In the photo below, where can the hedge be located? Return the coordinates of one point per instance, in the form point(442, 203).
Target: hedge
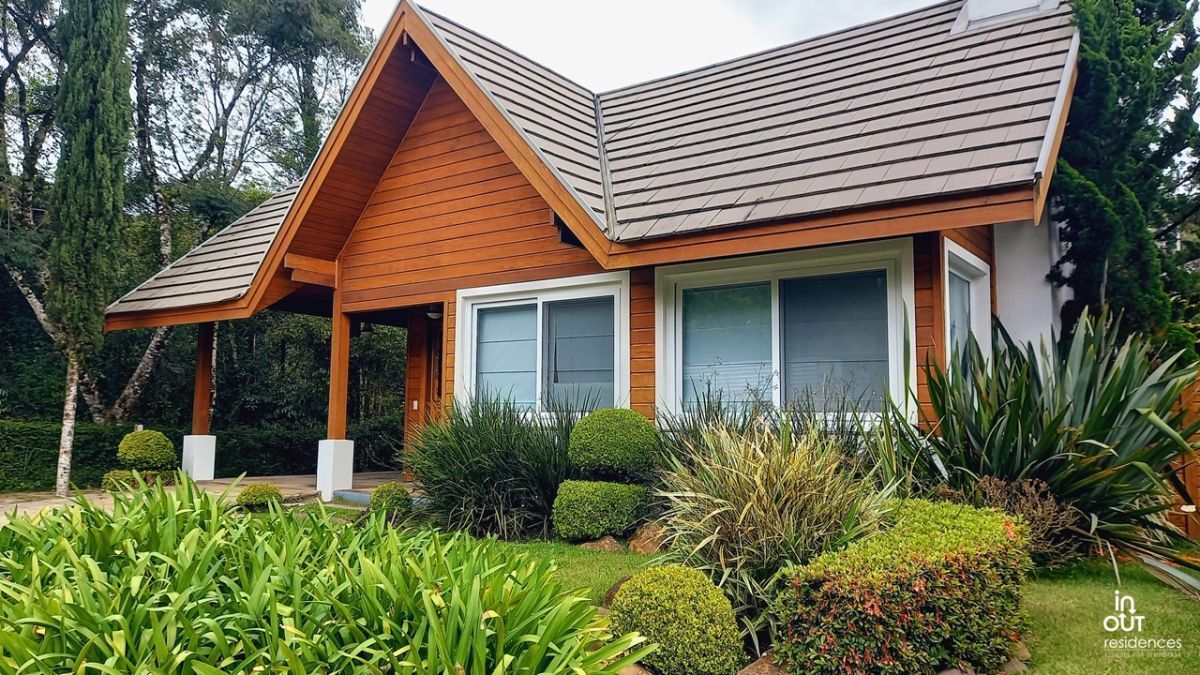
point(591, 509)
point(29, 451)
point(939, 588)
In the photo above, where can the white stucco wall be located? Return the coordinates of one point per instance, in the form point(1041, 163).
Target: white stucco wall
point(1026, 302)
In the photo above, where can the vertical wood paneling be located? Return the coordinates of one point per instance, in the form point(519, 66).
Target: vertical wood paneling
point(641, 341)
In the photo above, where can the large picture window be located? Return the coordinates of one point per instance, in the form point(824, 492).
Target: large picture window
point(544, 344)
point(820, 324)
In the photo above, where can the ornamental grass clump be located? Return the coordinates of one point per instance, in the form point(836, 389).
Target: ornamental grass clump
point(492, 468)
point(171, 581)
point(742, 504)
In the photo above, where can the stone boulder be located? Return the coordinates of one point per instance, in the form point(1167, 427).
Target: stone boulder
point(763, 666)
point(649, 538)
point(606, 543)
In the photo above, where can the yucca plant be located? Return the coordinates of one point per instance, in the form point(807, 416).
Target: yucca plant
point(1097, 420)
point(745, 502)
point(174, 581)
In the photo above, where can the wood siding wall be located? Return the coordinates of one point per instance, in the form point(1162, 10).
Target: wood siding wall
point(451, 211)
point(641, 341)
point(929, 274)
point(1190, 522)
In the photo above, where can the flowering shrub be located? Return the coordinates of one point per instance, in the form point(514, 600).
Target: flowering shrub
point(939, 588)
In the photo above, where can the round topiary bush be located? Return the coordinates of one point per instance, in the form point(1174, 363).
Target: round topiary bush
point(591, 509)
point(614, 444)
point(689, 618)
point(147, 451)
point(123, 480)
point(391, 498)
point(259, 496)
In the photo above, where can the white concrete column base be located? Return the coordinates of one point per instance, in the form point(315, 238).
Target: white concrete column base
point(335, 467)
point(200, 457)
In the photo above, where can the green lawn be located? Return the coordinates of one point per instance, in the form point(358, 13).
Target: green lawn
point(593, 572)
point(1066, 610)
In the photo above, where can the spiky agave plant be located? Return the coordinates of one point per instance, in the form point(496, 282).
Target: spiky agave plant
point(1096, 419)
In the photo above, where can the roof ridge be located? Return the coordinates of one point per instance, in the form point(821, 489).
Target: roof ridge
point(505, 47)
point(610, 205)
point(777, 48)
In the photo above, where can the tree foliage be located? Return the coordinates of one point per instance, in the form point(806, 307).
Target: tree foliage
point(1122, 186)
point(89, 205)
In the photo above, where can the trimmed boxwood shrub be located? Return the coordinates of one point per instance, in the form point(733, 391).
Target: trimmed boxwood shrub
point(690, 619)
point(147, 450)
point(259, 496)
point(120, 480)
point(393, 499)
point(589, 509)
point(614, 444)
point(939, 588)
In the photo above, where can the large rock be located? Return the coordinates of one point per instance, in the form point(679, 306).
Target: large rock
point(763, 666)
point(649, 538)
point(635, 669)
point(606, 543)
point(1021, 652)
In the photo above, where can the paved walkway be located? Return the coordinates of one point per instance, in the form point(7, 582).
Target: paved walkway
point(294, 489)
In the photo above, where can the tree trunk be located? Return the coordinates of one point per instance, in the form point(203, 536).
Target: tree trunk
point(66, 441)
point(119, 412)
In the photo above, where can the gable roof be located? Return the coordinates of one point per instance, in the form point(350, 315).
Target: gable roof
point(905, 109)
point(899, 109)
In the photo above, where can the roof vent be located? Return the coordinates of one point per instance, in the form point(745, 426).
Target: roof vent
point(977, 13)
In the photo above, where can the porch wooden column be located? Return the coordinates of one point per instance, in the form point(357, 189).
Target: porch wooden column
point(202, 389)
point(339, 370)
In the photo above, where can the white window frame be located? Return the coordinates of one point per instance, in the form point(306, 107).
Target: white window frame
point(470, 301)
point(894, 256)
point(975, 270)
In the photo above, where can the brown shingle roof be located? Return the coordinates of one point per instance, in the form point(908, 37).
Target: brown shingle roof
point(218, 270)
point(902, 108)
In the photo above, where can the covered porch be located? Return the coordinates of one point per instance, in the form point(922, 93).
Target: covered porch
point(335, 476)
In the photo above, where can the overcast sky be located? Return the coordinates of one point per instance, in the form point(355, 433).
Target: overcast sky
point(604, 44)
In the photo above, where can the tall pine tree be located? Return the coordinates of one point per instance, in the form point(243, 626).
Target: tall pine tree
point(1117, 188)
point(89, 197)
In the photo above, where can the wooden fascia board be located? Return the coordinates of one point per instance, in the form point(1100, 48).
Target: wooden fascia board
point(536, 170)
point(1058, 130)
point(989, 208)
point(225, 311)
